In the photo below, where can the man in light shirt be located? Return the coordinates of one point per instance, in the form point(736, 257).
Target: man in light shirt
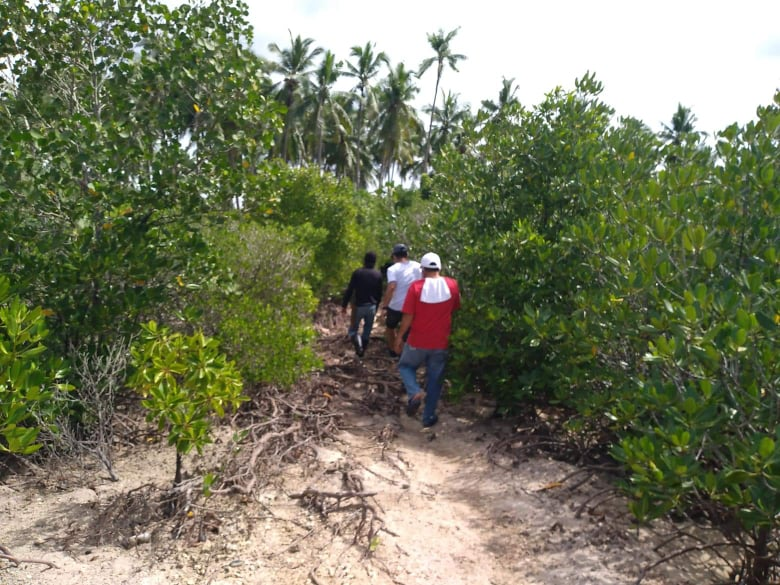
point(399, 277)
point(427, 317)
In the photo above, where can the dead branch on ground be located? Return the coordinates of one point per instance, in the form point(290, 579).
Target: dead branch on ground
point(360, 514)
point(356, 512)
point(685, 551)
point(7, 555)
point(277, 428)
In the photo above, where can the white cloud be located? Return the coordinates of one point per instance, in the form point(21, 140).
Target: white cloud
point(714, 58)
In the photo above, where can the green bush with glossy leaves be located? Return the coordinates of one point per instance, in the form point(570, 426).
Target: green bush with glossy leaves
point(635, 283)
point(701, 420)
point(509, 205)
point(184, 381)
point(29, 384)
point(110, 166)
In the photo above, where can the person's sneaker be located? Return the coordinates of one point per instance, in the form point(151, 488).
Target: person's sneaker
point(413, 406)
point(430, 422)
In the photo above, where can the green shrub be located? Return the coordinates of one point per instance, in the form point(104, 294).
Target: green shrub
point(303, 197)
point(699, 424)
point(262, 310)
point(521, 216)
point(28, 384)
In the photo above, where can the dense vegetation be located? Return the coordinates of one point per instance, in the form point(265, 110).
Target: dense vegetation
point(153, 169)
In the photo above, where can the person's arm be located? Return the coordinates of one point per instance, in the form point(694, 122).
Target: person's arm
point(406, 323)
point(388, 294)
point(456, 293)
point(348, 294)
point(378, 293)
point(409, 309)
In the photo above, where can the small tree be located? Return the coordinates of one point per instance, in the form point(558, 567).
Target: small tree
point(27, 386)
point(183, 380)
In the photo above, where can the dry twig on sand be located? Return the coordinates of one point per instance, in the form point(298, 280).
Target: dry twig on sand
point(352, 500)
point(7, 555)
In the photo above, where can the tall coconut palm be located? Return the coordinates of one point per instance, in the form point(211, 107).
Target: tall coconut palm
point(440, 43)
point(295, 64)
point(326, 108)
point(398, 128)
point(449, 122)
point(364, 70)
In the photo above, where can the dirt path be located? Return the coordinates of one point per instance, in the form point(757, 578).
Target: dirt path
point(432, 510)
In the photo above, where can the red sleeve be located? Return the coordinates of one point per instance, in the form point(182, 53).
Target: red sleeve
point(455, 293)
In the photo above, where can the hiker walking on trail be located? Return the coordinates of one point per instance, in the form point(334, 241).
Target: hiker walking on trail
point(427, 317)
point(399, 276)
point(365, 286)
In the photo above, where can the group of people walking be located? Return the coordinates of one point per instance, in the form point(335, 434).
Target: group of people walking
point(418, 303)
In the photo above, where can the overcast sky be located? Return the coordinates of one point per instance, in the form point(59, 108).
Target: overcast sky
point(719, 58)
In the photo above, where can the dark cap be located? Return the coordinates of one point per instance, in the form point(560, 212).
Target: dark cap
point(400, 250)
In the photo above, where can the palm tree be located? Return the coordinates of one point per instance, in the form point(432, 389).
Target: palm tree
point(366, 68)
point(440, 43)
point(295, 63)
point(449, 122)
point(683, 123)
point(325, 106)
point(506, 98)
point(397, 127)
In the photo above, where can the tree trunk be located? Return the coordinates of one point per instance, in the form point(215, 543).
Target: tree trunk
point(177, 474)
point(427, 157)
point(760, 563)
point(359, 141)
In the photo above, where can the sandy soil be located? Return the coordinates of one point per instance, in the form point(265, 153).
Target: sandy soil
point(436, 511)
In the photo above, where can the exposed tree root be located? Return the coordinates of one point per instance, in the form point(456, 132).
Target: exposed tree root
point(275, 429)
point(356, 513)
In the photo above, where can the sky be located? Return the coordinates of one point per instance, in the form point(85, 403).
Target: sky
point(720, 58)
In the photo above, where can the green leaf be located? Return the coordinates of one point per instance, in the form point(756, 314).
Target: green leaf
point(766, 447)
point(767, 174)
point(740, 337)
point(689, 406)
point(743, 319)
point(736, 476)
point(766, 322)
point(700, 292)
point(710, 258)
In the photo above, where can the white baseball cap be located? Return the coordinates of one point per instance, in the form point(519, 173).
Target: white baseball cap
point(431, 261)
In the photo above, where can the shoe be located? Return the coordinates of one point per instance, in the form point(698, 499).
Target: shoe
point(430, 422)
point(413, 406)
point(358, 343)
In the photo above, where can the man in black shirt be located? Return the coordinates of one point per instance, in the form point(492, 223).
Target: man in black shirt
point(366, 287)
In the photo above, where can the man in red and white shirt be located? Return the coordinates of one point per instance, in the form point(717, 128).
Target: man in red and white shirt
point(427, 316)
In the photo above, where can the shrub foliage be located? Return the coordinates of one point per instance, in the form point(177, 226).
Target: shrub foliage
point(636, 283)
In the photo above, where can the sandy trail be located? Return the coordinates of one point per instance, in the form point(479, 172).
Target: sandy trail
point(447, 515)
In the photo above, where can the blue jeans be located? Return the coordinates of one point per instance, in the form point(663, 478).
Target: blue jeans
point(366, 314)
point(435, 360)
